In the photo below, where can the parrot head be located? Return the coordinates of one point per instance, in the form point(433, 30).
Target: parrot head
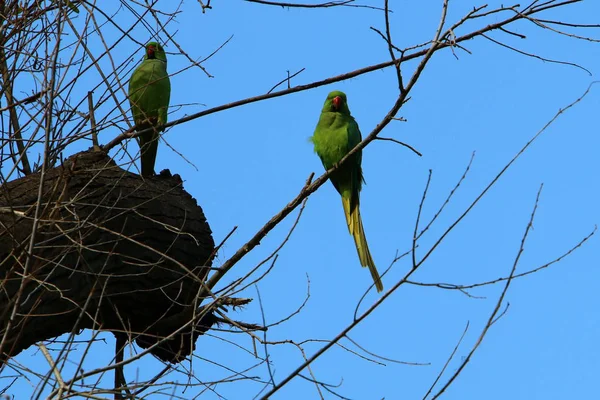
point(154, 51)
point(336, 102)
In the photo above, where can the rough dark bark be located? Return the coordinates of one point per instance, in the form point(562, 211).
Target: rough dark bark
point(112, 251)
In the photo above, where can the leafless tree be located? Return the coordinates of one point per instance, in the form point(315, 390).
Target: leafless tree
point(88, 246)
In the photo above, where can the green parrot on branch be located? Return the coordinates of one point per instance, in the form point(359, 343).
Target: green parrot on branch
point(335, 135)
point(149, 95)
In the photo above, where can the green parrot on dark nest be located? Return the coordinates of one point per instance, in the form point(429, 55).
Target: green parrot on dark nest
point(149, 95)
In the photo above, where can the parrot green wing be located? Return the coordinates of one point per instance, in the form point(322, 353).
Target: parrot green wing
point(355, 175)
point(149, 96)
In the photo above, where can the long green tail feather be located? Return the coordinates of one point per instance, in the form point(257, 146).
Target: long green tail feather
point(148, 148)
point(355, 227)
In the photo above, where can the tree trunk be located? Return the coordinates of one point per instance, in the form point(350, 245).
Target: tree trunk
point(109, 249)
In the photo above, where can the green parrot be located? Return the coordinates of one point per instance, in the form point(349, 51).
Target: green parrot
point(335, 135)
point(149, 95)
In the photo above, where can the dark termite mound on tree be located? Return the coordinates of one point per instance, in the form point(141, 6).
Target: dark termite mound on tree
point(110, 251)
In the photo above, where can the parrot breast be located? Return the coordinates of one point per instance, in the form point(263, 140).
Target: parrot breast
point(331, 138)
point(149, 92)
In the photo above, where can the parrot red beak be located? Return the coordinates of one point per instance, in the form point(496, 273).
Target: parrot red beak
point(151, 51)
point(337, 102)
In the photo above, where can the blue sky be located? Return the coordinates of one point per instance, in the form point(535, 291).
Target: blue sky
point(244, 164)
